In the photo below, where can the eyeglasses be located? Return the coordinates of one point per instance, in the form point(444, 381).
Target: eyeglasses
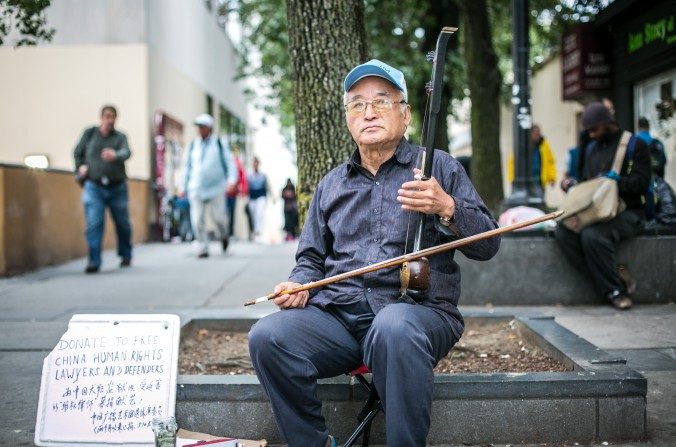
point(380, 105)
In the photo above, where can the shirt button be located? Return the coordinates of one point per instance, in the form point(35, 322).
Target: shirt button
point(375, 240)
point(368, 290)
point(375, 210)
point(378, 183)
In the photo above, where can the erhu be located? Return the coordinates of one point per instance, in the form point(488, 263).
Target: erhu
point(414, 276)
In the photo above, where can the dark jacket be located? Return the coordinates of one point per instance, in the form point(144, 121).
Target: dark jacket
point(88, 152)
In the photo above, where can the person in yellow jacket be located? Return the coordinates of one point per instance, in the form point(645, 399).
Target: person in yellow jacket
point(543, 166)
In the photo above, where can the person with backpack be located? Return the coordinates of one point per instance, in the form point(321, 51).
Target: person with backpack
point(99, 164)
point(658, 158)
point(661, 203)
point(208, 172)
point(593, 251)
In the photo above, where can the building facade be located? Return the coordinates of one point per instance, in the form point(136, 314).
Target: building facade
point(630, 58)
point(153, 60)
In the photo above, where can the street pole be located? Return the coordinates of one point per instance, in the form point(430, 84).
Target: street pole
point(522, 187)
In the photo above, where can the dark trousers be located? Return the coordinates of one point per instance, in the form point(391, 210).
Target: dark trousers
point(291, 349)
point(594, 250)
point(291, 222)
point(231, 202)
point(95, 199)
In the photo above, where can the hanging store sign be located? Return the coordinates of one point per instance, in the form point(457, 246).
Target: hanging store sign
point(585, 62)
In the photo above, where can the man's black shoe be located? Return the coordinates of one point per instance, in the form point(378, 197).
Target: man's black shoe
point(620, 300)
point(225, 243)
point(125, 263)
point(203, 255)
point(92, 269)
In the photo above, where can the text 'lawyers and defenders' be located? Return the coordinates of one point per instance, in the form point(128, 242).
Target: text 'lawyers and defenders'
point(108, 379)
point(97, 382)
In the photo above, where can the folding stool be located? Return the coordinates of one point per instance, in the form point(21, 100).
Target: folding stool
point(371, 408)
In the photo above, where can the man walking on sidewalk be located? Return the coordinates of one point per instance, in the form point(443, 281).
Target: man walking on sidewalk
point(208, 170)
point(99, 163)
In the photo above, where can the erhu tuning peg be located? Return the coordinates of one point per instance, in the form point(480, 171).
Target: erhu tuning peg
point(431, 56)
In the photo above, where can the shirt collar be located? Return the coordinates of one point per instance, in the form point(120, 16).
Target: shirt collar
point(402, 155)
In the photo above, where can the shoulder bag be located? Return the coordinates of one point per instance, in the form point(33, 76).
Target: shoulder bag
point(595, 200)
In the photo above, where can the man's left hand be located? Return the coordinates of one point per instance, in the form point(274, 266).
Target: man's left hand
point(426, 196)
point(108, 154)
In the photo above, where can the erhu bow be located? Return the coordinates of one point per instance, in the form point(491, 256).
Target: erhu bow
point(408, 257)
point(415, 276)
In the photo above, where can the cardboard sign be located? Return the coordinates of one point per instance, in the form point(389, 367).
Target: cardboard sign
point(106, 379)
point(185, 438)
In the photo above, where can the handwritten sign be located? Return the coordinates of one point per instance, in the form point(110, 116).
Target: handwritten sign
point(106, 379)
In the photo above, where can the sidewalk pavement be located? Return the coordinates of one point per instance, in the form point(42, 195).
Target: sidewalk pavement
point(167, 278)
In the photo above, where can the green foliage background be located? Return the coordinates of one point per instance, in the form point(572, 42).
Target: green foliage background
point(400, 32)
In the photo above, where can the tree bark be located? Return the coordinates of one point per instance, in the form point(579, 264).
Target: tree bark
point(326, 39)
point(441, 13)
point(484, 83)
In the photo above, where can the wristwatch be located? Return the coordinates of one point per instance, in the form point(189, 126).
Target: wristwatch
point(446, 221)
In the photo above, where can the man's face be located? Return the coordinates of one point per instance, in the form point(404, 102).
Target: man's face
point(108, 120)
point(204, 131)
point(598, 132)
point(377, 128)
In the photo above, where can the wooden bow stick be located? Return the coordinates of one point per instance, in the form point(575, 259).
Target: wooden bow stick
point(408, 257)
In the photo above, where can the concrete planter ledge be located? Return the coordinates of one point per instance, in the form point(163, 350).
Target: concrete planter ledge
point(601, 399)
point(530, 269)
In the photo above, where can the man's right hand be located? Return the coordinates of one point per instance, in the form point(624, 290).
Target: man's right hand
point(82, 170)
point(287, 301)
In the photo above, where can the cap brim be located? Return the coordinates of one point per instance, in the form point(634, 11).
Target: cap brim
point(365, 71)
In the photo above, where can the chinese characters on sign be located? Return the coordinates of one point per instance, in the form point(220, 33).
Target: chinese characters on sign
point(108, 379)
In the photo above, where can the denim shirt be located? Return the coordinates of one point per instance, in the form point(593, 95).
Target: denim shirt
point(203, 175)
point(354, 220)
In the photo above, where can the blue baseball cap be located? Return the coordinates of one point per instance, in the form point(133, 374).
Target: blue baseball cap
point(374, 67)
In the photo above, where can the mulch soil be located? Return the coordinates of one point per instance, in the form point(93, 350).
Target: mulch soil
point(483, 348)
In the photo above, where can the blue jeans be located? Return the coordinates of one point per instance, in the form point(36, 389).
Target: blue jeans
point(95, 199)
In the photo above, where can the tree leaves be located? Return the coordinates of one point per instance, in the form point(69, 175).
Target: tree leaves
point(27, 18)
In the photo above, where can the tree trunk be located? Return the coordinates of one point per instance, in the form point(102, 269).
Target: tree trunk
point(484, 84)
point(441, 13)
point(326, 39)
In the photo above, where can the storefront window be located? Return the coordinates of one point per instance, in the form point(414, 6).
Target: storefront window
point(233, 128)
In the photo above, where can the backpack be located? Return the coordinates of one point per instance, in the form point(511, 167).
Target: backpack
point(657, 157)
point(89, 135)
point(665, 211)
